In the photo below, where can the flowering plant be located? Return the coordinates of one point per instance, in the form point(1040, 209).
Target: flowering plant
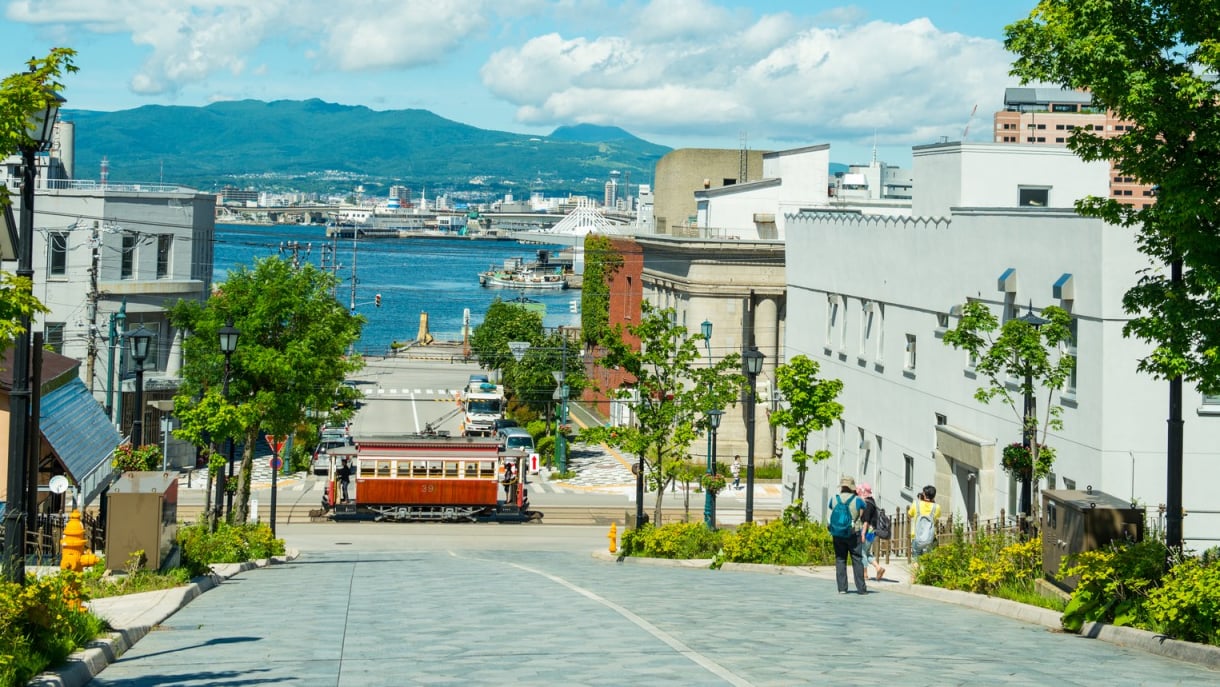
point(144, 458)
point(712, 483)
point(1016, 461)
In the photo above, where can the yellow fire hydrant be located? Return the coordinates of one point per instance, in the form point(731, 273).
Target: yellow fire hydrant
point(76, 556)
point(613, 537)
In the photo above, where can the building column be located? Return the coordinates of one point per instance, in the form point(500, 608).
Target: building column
point(766, 336)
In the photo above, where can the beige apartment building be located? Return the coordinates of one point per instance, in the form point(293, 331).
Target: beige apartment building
point(1046, 116)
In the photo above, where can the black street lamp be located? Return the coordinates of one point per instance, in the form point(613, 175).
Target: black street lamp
point(709, 497)
point(752, 361)
point(137, 342)
point(228, 343)
point(1029, 421)
point(39, 127)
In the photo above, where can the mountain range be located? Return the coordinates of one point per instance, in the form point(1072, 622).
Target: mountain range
point(313, 145)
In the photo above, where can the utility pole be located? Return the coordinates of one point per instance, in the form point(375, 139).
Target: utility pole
point(91, 363)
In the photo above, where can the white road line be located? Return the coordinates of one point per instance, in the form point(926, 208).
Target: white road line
point(695, 657)
point(415, 412)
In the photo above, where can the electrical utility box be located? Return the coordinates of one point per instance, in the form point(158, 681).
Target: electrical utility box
point(1075, 521)
point(142, 515)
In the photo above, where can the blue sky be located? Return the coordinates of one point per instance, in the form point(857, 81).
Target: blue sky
point(676, 72)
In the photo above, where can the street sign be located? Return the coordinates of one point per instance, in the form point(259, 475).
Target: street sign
point(558, 377)
point(518, 349)
point(276, 443)
point(276, 462)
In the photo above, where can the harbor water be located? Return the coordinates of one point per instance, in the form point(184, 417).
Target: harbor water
point(437, 276)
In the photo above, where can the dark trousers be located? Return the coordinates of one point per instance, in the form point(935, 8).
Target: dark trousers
point(843, 547)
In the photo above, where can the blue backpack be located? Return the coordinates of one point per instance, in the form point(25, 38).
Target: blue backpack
point(843, 517)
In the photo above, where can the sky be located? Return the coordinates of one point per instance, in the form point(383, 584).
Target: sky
point(682, 73)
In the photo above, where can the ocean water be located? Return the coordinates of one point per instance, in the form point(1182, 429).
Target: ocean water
point(417, 275)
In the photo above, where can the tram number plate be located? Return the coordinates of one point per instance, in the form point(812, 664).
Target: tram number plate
point(427, 488)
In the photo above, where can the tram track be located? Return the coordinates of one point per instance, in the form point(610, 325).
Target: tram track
point(304, 513)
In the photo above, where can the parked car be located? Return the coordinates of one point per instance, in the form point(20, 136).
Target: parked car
point(501, 423)
point(516, 439)
point(321, 455)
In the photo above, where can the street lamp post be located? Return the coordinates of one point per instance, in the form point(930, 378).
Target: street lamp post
point(1029, 420)
point(753, 363)
point(39, 127)
point(138, 341)
point(709, 498)
point(228, 343)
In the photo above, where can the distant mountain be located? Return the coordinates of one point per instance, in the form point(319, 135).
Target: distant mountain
point(314, 144)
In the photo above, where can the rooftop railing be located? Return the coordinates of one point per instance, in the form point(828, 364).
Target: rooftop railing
point(124, 187)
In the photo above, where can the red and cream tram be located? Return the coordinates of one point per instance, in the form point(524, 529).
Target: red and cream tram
point(428, 477)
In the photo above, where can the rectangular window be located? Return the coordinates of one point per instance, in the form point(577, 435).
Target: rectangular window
point(1058, 139)
point(908, 471)
point(880, 310)
point(1033, 197)
point(832, 317)
point(909, 359)
point(55, 336)
point(164, 242)
point(1070, 352)
point(127, 265)
point(1211, 399)
point(1042, 139)
point(866, 328)
point(843, 330)
point(59, 254)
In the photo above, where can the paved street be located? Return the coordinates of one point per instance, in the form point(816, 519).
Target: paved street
point(383, 604)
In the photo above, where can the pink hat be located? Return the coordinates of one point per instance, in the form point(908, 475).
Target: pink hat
point(864, 491)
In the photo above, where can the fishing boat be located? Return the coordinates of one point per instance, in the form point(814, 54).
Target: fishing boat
point(515, 273)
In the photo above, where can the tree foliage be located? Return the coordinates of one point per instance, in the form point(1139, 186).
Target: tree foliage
point(503, 322)
point(1030, 355)
point(809, 406)
point(601, 261)
point(1152, 63)
point(672, 390)
point(291, 357)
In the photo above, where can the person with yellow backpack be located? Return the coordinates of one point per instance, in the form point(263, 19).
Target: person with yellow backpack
point(923, 515)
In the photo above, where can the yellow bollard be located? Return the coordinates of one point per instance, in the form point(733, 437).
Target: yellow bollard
point(76, 557)
point(613, 537)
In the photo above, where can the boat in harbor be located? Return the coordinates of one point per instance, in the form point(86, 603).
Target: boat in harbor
point(515, 273)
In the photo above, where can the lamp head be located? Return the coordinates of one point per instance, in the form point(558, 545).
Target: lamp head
point(752, 361)
point(137, 341)
point(706, 328)
point(1031, 319)
point(713, 418)
point(39, 125)
point(228, 338)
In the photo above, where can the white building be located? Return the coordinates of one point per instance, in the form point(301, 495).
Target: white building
point(99, 246)
point(991, 223)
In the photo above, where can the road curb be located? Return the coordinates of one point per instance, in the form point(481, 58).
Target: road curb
point(83, 665)
point(1131, 638)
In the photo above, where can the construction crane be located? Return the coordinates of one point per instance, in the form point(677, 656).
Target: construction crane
point(966, 131)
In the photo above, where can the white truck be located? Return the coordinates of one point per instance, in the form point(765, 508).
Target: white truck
point(483, 404)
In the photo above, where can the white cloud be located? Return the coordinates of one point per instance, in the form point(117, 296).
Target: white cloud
point(778, 77)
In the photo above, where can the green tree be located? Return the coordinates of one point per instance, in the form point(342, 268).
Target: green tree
point(290, 359)
point(671, 390)
point(809, 406)
point(1152, 63)
point(601, 261)
point(1023, 352)
point(504, 322)
point(531, 380)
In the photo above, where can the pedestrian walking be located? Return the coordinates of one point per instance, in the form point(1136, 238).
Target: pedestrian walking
point(845, 509)
point(345, 478)
point(868, 530)
point(736, 470)
point(923, 515)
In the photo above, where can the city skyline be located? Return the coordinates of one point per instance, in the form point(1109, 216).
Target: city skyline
point(679, 73)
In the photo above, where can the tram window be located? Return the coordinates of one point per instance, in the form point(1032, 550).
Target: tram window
point(471, 470)
point(451, 468)
point(402, 468)
point(367, 468)
point(487, 470)
point(434, 468)
point(383, 468)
